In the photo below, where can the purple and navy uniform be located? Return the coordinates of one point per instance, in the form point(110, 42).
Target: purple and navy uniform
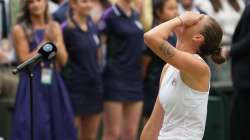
point(122, 73)
point(53, 115)
point(60, 15)
point(83, 74)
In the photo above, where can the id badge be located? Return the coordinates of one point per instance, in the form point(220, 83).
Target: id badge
point(46, 77)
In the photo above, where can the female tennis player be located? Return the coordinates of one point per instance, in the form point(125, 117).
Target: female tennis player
point(181, 106)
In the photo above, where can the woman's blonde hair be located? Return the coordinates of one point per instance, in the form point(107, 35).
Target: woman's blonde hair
point(24, 19)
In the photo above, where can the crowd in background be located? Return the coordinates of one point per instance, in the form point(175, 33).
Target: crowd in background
point(103, 72)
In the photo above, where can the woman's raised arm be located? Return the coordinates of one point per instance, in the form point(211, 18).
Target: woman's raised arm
point(186, 62)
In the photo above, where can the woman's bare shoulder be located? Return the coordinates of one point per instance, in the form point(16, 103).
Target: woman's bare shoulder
point(17, 29)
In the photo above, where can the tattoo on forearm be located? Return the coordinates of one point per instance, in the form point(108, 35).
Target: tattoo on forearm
point(166, 50)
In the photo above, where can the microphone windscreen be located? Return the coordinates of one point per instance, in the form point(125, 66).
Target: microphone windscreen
point(48, 50)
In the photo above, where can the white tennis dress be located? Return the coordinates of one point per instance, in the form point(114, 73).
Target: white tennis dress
point(185, 108)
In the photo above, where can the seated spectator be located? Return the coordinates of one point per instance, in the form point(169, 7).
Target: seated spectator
point(8, 81)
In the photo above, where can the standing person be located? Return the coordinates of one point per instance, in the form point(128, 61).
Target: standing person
point(227, 13)
point(240, 52)
point(163, 10)
point(53, 117)
point(181, 108)
point(123, 89)
point(82, 73)
point(8, 81)
point(189, 5)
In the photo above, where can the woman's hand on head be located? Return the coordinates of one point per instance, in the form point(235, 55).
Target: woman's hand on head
point(190, 18)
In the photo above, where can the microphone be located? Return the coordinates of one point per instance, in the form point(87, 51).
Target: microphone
point(46, 52)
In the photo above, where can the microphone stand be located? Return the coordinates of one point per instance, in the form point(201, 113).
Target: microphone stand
point(31, 78)
point(29, 70)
